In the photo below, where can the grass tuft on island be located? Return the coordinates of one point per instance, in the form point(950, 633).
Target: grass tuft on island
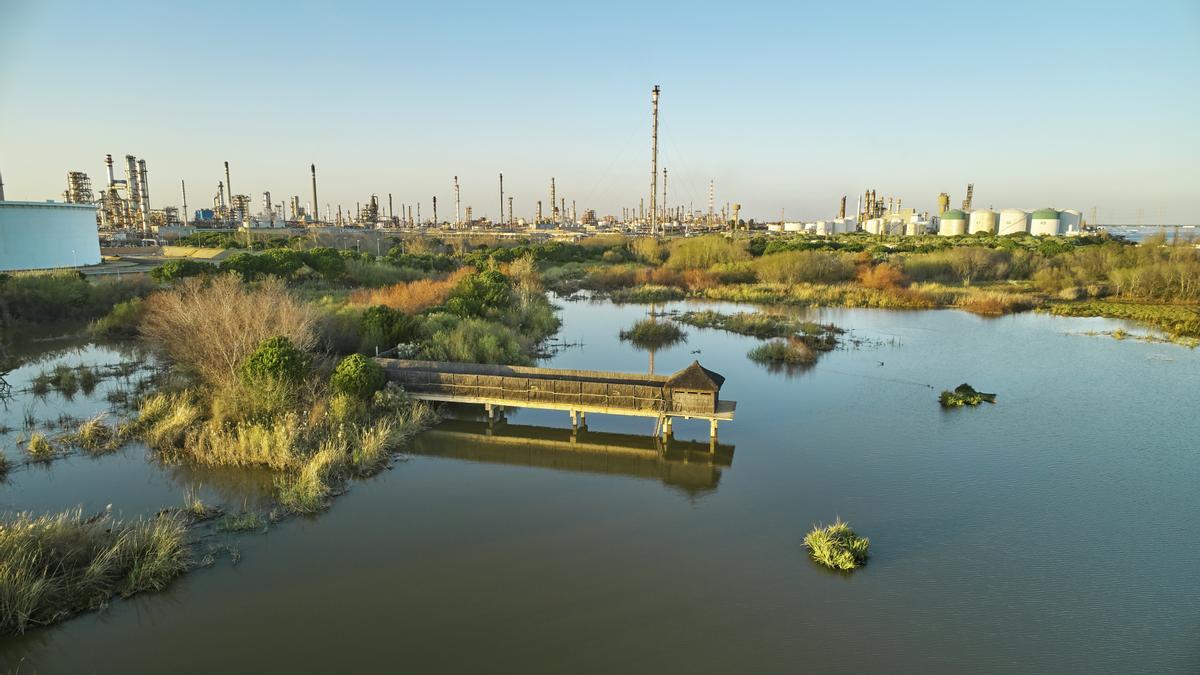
point(837, 546)
point(651, 334)
point(783, 352)
point(55, 566)
point(964, 394)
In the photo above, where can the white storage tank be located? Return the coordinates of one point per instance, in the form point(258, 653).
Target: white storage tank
point(1044, 222)
point(1070, 222)
point(952, 223)
point(1013, 221)
point(847, 226)
point(873, 226)
point(793, 227)
point(774, 227)
point(47, 235)
point(823, 228)
point(982, 221)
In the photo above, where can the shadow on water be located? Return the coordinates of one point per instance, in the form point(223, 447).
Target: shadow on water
point(691, 467)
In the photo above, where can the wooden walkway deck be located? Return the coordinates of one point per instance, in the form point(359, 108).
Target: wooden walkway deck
point(692, 393)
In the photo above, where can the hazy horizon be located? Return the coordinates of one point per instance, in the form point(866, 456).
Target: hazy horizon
point(1075, 105)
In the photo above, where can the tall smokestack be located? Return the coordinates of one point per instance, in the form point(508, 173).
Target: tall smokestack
point(435, 220)
point(108, 163)
point(654, 162)
point(553, 201)
point(183, 188)
point(510, 213)
point(391, 214)
point(457, 205)
point(145, 186)
point(1, 188)
point(842, 210)
point(664, 204)
point(229, 186)
point(500, 219)
point(313, 167)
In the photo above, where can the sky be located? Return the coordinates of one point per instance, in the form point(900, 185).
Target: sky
point(785, 106)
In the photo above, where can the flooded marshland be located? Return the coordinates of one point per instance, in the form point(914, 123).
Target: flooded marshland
point(1052, 531)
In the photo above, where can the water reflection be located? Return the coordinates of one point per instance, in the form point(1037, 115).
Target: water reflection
point(691, 467)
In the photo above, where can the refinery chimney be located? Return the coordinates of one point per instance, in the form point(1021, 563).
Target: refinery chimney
point(108, 163)
point(654, 160)
point(500, 218)
point(313, 167)
point(145, 186)
point(229, 187)
point(1, 188)
point(842, 210)
point(457, 205)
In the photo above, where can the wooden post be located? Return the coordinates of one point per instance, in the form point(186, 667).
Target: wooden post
point(574, 421)
point(712, 430)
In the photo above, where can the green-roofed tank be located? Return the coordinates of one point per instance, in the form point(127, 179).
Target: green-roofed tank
point(1044, 222)
point(952, 223)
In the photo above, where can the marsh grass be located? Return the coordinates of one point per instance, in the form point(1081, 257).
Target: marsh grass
point(195, 509)
point(837, 546)
point(651, 334)
point(96, 436)
point(54, 566)
point(786, 352)
point(40, 448)
point(65, 380)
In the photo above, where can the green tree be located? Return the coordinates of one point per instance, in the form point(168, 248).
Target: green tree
point(357, 376)
point(275, 359)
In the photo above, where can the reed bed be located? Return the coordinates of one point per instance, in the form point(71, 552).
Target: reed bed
point(54, 566)
point(837, 546)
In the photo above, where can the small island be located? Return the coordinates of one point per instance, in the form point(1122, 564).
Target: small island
point(964, 394)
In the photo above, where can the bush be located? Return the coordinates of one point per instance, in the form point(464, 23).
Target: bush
point(883, 277)
point(413, 297)
point(382, 327)
point(793, 267)
point(357, 376)
point(704, 252)
point(174, 270)
point(276, 359)
point(211, 326)
point(325, 261)
point(481, 294)
point(786, 352)
point(450, 338)
point(837, 546)
point(51, 296)
point(121, 322)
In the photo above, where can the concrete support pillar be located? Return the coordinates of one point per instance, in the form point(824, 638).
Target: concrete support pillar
point(582, 419)
point(574, 420)
point(668, 429)
point(712, 429)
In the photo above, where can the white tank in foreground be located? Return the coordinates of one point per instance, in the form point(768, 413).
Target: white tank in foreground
point(1013, 221)
point(47, 235)
point(1070, 222)
point(952, 223)
point(982, 221)
point(1044, 222)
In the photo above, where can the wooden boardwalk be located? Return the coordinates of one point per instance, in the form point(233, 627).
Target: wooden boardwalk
point(692, 393)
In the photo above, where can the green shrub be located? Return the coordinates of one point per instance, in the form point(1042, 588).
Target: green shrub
point(790, 352)
point(704, 252)
point(964, 394)
point(325, 261)
point(837, 546)
point(275, 358)
point(358, 376)
point(383, 327)
point(121, 322)
point(793, 267)
point(477, 295)
point(450, 338)
point(173, 270)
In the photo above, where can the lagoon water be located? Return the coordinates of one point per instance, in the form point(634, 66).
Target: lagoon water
point(1055, 531)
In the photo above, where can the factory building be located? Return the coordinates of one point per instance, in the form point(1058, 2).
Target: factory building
point(47, 235)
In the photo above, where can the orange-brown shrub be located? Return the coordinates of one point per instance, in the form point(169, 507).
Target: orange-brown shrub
point(414, 296)
point(882, 277)
point(660, 276)
point(698, 280)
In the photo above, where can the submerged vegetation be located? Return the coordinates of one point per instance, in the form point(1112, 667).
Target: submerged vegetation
point(964, 394)
point(54, 566)
point(837, 546)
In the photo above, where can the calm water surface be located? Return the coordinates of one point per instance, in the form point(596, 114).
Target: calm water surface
point(1052, 532)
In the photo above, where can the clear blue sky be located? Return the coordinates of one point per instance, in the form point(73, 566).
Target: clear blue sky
point(784, 104)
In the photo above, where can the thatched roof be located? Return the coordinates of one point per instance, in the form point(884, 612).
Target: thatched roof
point(696, 377)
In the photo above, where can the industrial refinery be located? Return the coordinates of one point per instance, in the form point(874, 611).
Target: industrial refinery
point(52, 234)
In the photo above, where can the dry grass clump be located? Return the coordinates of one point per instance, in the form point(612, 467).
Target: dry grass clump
point(96, 436)
point(209, 326)
point(54, 566)
point(40, 447)
point(837, 546)
point(994, 303)
point(412, 297)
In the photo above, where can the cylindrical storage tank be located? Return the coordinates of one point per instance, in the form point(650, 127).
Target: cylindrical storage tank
point(1070, 222)
point(913, 228)
point(952, 223)
point(982, 221)
point(895, 225)
point(1013, 221)
point(1044, 222)
point(873, 225)
point(793, 227)
point(47, 235)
